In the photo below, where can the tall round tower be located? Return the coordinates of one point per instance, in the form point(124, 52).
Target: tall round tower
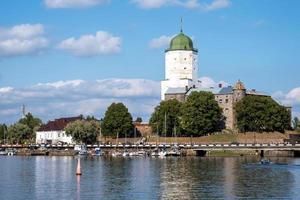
point(239, 91)
point(180, 64)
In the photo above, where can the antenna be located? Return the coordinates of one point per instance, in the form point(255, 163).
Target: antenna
point(181, 24)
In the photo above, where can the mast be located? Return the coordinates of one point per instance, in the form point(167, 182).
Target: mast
point(165, 124)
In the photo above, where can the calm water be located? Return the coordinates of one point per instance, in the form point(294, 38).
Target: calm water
point(148, 178)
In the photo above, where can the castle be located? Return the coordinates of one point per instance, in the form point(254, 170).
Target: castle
point(181, 68)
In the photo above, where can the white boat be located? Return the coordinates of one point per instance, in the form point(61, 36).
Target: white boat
point(81, 149)
point(162, 153)
point(137, 153)
point(11, 152)
point(158, 153)
point(173, 152)
point(3, 153)
point(116, 154)
point(125, 154)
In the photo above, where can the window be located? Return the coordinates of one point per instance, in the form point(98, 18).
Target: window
point(226, 100)
point(221, 100)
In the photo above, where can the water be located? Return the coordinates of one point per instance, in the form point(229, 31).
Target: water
point(148, 178)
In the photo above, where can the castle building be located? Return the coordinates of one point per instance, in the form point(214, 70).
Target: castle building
point(181, 68)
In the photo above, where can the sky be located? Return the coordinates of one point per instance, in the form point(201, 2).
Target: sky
point(63, 58)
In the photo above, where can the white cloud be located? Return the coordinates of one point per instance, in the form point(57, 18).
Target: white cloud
point(216, 4)
point(73, 3)
point(208, 82)
point(22, 39)
point(92, 45)
point(74, 97)
point(291, 98)
point(190, 4)
point(5, 89)
point(162, 41)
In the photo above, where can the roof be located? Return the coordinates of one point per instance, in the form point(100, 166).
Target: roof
point(181, 42)
point(226, 90)
point(254, 92)
point(239, 85)
point(177, 90)
point(58, 124)
point(212, 90)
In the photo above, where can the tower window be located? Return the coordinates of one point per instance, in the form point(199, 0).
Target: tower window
point(185, 68)
point(184, 58)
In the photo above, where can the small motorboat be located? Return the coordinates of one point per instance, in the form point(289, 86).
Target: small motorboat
point(265, 161)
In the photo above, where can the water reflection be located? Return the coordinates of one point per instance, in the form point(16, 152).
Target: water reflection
point(148, 178)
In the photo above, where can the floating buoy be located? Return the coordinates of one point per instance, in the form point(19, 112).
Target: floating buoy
point(78, 170)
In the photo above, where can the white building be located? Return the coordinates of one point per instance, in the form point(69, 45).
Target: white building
point(181, 66)
point(53, 132)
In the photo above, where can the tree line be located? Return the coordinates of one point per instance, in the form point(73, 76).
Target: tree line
point(199, 115)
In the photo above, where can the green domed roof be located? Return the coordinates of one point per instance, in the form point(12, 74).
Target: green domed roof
point(181, 42)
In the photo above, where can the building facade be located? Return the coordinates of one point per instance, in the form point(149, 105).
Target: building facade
point(53, 132)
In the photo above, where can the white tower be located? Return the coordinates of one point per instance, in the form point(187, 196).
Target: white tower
point(180, 64)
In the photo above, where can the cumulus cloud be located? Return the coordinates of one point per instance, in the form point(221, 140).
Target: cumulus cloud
point(208, 82)
point(74, 97)
point(291, 98)
point(92, 45)
point(162, 41)
point(190, 4)
point(22, 39)
point(73, 3)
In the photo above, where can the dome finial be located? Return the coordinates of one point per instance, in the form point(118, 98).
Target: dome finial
point(181, 25)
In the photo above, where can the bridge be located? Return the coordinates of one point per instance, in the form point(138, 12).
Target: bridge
point(196, 147)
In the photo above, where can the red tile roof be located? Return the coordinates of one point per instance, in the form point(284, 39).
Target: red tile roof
point(58, 124)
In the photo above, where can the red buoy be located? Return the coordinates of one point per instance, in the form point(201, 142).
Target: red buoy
point(78, 170)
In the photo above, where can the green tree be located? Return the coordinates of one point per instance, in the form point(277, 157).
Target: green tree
point(260, 113)
point(201, 114)
point(165, 119)
point(85, 131)
point(117, 121)
point(18, 133)
point(296, 124)
point(3, 132)
point(33, 123)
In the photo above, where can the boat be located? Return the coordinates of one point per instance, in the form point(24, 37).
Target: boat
point(125, 153)
point(158, 153)
point(81, 149)
point(97, 152)
point(3, 153)
point(116, 154)
point(11, 152)
point(174, 151)
point(265, 161)
point(137, 153)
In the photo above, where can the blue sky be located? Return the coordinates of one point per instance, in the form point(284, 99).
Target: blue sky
point(256, 41)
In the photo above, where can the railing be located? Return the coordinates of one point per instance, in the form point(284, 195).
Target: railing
point(149, 145)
